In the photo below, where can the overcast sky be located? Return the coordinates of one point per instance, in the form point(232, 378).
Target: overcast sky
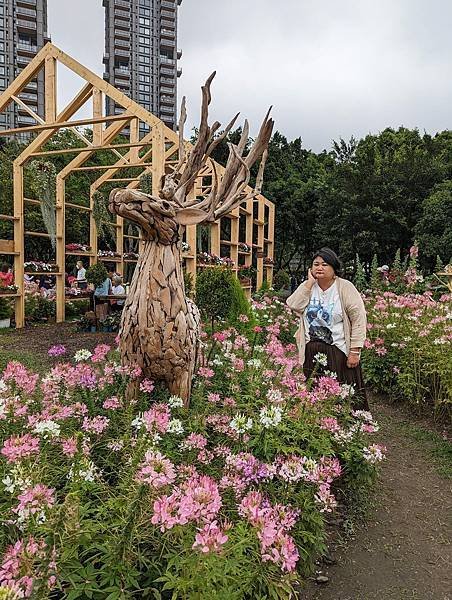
point(331, 69)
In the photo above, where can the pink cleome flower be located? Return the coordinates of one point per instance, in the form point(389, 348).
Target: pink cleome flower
point(17, 447)
point(210, 538)
point(156, 470)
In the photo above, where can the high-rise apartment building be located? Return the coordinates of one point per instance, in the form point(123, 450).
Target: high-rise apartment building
point(141, 54)
point(23, 32)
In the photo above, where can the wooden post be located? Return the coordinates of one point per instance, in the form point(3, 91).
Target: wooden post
point(50, 89)
point(158, 157)
point(98, 102)
point(19, 257)
point(60, 249)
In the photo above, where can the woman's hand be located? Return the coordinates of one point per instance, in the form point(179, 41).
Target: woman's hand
point(311, 279)
point(353, 359)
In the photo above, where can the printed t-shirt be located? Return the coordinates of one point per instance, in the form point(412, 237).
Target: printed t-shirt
point(323, 320)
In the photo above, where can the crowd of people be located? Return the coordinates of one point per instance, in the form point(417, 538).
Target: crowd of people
point(45, 284)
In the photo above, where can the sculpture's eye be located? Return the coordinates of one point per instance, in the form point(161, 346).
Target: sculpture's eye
point(165, 205)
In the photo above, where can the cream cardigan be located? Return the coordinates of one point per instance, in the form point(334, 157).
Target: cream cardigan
point(353, 313)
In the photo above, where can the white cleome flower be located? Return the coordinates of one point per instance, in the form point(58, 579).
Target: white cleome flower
point(82, 354)
point(47, 429)
point(270, 416)
point(275, 396)
point(9, 484)
point(241, 423)
point(254, 362)
point(175, 402)
point(321, 359)
point(175, 426)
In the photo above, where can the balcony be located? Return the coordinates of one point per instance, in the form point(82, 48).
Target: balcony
point(168, 15)
point(166, 90)
point(122, 3)
point(23, 60)
point(22, 46)
point(125, 33)
point(170, 5)
point(122, 13)
point(167, 71)
point(167, 110)
point(171, 33)
point(32, 85)
point(123, 43)
point(28, 96)
point(29, 12)
point(179, 54)
point(166, 61)
point(122, 53)
point(25, 120)
point(167, 99)
point(168, 25)
point(22, 24)
point(179, 72)
point(167, 79)
point(29, 2)
point(164, 42)
point(125, 24)
point(122, 72)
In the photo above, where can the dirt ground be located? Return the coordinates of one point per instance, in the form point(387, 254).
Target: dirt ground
point(404, 551)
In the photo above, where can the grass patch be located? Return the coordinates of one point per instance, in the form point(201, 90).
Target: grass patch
point(438, 448)
point(30, 359)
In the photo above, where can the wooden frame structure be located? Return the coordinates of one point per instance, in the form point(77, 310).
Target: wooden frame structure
point(155, 152)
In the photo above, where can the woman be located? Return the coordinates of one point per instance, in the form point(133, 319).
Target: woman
point(81, 276)
point(117, 290)
point(333, 322)
point(6, 276)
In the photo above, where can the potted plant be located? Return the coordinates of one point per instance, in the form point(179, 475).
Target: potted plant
point(5, 313)
point(96, 274)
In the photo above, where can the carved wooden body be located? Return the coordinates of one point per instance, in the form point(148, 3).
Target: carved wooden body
point(160, 326)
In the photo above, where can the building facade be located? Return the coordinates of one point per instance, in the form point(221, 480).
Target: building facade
point(23, 32)
point(141, 54)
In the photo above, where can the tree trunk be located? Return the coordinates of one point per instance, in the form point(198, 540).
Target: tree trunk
point(160, 326)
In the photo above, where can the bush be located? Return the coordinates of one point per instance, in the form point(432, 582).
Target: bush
point(214, 293)
point(408, 349)
point(188, 284)
point(281, 281)
point(96, 274)
point(5, 309)
point(39, 308)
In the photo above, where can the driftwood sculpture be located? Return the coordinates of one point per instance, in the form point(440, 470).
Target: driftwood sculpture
point(160, 325)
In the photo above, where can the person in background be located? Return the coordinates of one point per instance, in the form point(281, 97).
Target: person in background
point(332, 323)
point(81, 276)
point(118, 290)
point(6, 276)
point(100, 304)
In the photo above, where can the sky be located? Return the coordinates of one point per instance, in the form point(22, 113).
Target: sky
point(330, 69)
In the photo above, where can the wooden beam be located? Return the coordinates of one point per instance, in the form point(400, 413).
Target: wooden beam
point(62, 124)
point(30, 71)
point(60, 248)
point(97, 113)
point(28, 109)
point(18, 190)
point(106, 167)
point(73, 106)
point(92, 148)
point(50, 90)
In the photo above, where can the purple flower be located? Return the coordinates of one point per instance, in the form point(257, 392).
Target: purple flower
point(57, 350)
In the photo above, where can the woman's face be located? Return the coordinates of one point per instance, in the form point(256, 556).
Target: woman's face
point(321, 269)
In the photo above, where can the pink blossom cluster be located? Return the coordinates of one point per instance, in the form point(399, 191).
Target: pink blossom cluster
point(25, 381)
point(95, 424)
point(194, 441)
point(100, 352)
point(156, 470)
point(18, 571)
point(210, 538)
point(35, 500)
point(19, 447)
point(156, 419)
point(272, 524)
point(195, 500)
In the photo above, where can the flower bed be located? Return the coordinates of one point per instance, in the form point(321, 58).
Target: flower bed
point(130, 256)
point(409, 348)
point(78, 248)
point(143, 498)
point(37, 266)
point(8, 289)
point(205, 258)
point(108, 254)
